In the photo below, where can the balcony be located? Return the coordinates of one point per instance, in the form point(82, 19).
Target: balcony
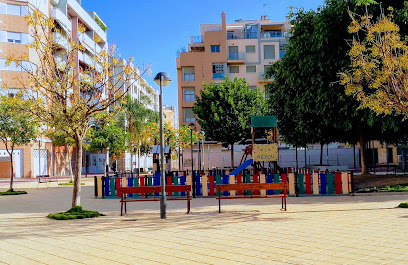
point(87, 19)
point(271, 35)
point(218, 76)
point(87, 42)
point(188, 77)
point(242, 35)
point(237, 57)
point(62, 19)
point(196, 39)
point(263, 79)
point(60, 40)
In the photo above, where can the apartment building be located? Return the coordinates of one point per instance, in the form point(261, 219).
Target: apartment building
point(137, 88)
point(243, 49)
point(40, 157)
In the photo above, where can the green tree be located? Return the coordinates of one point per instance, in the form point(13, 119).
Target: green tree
point(106, 136)
point(17, 126)
point(224, 111)
point(137, 120)
point(317, 105)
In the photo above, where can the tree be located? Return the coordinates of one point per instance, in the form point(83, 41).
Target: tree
point(224, 111)
point(17, 126)
point(379, 74)
point(67, 96)
point(306, 94)
point(137, 119)
point(108, 135)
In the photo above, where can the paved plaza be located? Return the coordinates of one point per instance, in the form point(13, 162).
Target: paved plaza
point(314, 230)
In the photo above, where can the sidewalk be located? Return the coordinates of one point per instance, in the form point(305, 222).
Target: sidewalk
point(315, 230)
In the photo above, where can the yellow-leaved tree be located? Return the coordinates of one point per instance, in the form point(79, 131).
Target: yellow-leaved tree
point(379, 75)
point(68, 96)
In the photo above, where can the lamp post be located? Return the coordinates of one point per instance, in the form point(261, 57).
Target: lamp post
point(200, 159)
point(162, 79)
point(192, 127)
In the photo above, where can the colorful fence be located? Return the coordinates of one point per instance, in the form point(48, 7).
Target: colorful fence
point(301, 182)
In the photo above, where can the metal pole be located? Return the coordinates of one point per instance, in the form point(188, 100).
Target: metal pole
point(162, 172)
point(199, 157)
point(192, 163)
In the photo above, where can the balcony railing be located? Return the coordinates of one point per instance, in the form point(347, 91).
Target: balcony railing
point(242, 35)
point(268, 35)
point(218, 76)
point(61, 18)
point(236, 56)
point(197, 39)
point(262, 76)
point(188, 77)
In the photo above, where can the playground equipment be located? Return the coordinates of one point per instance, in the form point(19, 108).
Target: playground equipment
point(307, 182)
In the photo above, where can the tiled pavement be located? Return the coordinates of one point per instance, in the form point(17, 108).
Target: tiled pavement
point(314, 230)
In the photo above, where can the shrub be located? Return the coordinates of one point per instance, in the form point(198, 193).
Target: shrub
point(12, 192)
point(403, 205)
point(74, 213)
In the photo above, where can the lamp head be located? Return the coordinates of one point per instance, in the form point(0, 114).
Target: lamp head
point(192, 126)
point(165, 78)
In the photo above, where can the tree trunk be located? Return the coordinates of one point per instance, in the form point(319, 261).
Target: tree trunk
point(363, 150)
point(232, 156)
point(69, 157)
point(321, 153)
point(12, 170)
point(76, 195)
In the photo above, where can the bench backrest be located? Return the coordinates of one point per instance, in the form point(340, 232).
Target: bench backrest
point(253, 186)
point(155, 189)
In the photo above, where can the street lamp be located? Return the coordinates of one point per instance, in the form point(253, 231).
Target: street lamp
point(192, 127)
point(201, 136)
point(162, 79)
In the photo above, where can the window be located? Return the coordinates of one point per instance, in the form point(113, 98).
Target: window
point(253, 88)
point(188, 94)
point(266, 67)
point(282, 50)
point(390, 156)
point(218, 71)
point(234, 69)
point(188, 73)
point(251, 68)
point(14, 37)
point(215, 48)
point(269, 52)
point(250, 49)
point(189, 115)
point(16, 10)
point(14, 67)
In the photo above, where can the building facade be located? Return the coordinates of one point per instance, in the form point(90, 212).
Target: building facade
point(243, 49)
point(40, 157)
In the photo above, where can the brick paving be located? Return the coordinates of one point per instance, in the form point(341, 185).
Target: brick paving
point(314, 230)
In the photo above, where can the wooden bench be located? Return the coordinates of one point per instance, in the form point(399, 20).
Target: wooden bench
point(153, 189)
point(45, 179)
point(253, 187)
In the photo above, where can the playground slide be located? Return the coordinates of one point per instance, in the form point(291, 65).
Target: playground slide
point(242, 167)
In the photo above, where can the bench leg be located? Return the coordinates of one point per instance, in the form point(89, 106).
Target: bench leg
point(121, 208)
point(125, 208)
point(188, 202)
point(219, 201)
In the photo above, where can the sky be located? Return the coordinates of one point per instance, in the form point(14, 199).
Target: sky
point(153, 31)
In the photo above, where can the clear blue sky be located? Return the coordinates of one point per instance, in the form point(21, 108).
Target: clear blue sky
point(153, 31)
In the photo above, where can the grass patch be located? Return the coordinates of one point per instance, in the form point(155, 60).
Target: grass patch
point(74, 213)
point(12, 192)
point(70, 183)
point(393, 188)
point(403, 205)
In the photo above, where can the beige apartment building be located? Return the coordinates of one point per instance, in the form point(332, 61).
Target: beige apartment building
point(243, 49)
point(40, 157)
